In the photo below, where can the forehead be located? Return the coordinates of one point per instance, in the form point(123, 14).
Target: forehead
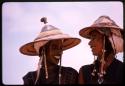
point(94, 33)
point(57, 42)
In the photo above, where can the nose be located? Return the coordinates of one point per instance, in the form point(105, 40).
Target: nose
point(60, 49)
point(90, 42)
point(60, 52)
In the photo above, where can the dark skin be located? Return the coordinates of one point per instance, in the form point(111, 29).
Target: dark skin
point(53, 52)
point(96, 43)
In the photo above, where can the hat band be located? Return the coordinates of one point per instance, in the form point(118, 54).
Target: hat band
point(48, 33)
point(105, 25)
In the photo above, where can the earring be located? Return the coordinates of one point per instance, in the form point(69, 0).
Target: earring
point(38, 69)
point(60, 70)
point(94, 69)
point(45, 64)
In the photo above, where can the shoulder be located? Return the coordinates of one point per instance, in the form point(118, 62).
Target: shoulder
point(117, 63)
point(86, 70)
point(70, 75)
point(86, 67)
point(85, 73)
point(29, 78)
point(29, 74)
point(69, 69)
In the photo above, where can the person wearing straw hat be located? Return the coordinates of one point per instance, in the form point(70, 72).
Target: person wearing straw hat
point(106, 40)
point(49, 46)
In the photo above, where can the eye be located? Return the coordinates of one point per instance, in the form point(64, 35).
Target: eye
point(54, 47)
point(92, 37)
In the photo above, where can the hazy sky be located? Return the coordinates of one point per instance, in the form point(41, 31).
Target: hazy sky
point(21, 24)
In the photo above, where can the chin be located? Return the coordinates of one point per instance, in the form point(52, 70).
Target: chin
point(94, 53)
point(56, 62)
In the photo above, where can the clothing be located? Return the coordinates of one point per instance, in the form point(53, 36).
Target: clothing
point(69, 76)
point(114, 73)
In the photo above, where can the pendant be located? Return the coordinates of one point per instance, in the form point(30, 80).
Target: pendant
point(100, 80)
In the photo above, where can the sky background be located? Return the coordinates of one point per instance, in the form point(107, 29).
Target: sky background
point(21, 24)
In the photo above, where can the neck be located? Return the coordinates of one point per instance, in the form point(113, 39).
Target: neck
point(108, 60)
point(49, 66)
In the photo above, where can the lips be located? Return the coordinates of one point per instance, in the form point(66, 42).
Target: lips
point(92, 47)
point(57, 57)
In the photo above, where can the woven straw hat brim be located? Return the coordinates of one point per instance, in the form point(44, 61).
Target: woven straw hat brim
point(69, 42)
point(85, 31)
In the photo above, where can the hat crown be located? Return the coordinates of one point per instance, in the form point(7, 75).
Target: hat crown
point(48, 28)
point(105, 21)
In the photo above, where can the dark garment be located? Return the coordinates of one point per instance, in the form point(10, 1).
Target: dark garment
point(114, 73)
point(69, 76)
